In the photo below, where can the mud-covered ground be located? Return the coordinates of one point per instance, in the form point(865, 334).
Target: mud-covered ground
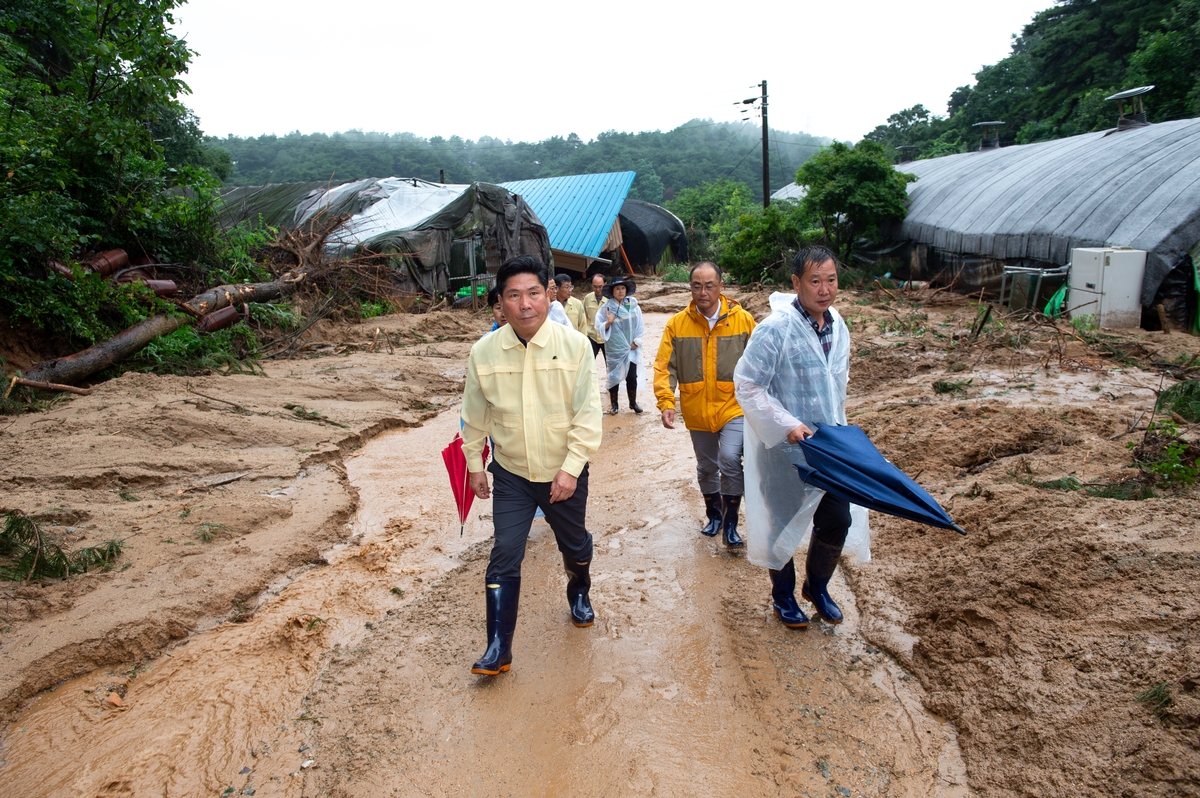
point(296, 613)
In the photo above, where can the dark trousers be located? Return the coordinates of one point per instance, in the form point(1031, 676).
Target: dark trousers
point(514, 501)
point(831, 521)
point(598, 349)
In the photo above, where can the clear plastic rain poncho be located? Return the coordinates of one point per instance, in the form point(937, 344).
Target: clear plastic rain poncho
point(626, 331)
point(783, 380)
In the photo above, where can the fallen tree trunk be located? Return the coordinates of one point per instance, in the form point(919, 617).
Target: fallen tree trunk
point(81, 365)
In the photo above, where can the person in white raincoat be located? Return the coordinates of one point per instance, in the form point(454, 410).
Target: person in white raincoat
point(791, 378)
point(619, 322)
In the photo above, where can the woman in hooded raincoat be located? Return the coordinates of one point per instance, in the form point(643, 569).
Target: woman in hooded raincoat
point(791, 378)
point(619, 323)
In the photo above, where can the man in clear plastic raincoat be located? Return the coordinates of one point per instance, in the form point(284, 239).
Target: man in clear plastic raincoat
point(792, 377)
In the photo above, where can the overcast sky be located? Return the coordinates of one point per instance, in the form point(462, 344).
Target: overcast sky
point(528, 70)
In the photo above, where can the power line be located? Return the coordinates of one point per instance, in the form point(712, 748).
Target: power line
point(757, 144)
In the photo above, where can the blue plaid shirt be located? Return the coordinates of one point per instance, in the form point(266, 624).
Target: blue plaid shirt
point(824, 334)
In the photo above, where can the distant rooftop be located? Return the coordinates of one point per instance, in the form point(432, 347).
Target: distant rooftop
point(578, 211)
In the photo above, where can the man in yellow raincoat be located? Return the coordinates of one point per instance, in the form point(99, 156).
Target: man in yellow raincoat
point(700, 347)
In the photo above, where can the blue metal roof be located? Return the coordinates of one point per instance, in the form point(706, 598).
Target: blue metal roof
point(577, 210)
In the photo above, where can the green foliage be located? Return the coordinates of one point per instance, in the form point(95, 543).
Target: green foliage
point(369, 309)
point(188, 351)
point(701, 205)
point(1062, 66)
point(674, 273)
point(279, 315)
point(85, 309)
point(946, 386)
point(1166, 457)
point(238, 250)
point(28, 552)
point(1063, 483)
point(705, 207)
point(1158, 699)
point(1183, 399)
point(87, 89)
point(667, 162)
point(1167, 59)
point(760, 244)
point(851, 191)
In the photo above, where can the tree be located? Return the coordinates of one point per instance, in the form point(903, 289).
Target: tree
point(703, 207)
point(851, 191)
point(96, 151)
point(756, 243)
point(1168, 59)
point(647, 185)
point(86, 88)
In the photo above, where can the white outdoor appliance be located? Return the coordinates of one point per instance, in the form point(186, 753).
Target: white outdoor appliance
point(1106, 283)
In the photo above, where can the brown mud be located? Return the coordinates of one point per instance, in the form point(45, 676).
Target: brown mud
point(306, 627)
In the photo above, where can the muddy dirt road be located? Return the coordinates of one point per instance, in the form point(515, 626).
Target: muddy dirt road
point(342, 666)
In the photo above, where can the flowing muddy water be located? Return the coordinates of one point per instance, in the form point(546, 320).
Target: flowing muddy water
point(352, 678)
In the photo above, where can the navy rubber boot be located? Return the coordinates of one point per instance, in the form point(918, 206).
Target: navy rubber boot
point(729, 515)
point(783, 597)
point(819, 567)
point(712, 506)
point(579, 582)
point(502, 598)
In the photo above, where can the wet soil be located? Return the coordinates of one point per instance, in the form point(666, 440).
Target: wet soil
point(296, 612)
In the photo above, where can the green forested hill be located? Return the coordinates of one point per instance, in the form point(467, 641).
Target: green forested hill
point(699, 151)
point(1062, 66)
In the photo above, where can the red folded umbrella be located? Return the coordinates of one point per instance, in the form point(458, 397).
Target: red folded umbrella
point(456, 467)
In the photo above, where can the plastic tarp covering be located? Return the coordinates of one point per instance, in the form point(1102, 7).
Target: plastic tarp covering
point(791, 191)
point(275, 203)
point(648, 230)
point(1136, 188)
point(413, 219)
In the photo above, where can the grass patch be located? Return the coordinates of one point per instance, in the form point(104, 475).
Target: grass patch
point(1131, 490)
point(1165, 457)
point(675, 273)
point(946, 386)
point(1064, 483)
point(1182, 399)
point(207, 532)
point(913, 324)
point(1158, 699)
point(29, 552)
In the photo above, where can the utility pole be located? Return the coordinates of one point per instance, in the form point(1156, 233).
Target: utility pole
point(766, 155)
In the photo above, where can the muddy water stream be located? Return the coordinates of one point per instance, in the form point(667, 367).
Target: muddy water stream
point(352, 678)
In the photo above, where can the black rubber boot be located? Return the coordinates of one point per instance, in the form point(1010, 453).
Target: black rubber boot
point(579, 582)
point(729, 515)
point(783, 597)
point(612, 394)
point(712, 506)
point(502, 597)
point(633, 405)
point(819, 567)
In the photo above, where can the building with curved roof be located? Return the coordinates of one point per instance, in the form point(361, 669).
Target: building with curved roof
point(1138, 187)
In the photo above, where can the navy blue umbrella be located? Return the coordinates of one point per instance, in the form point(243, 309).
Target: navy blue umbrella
point(843, 461)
